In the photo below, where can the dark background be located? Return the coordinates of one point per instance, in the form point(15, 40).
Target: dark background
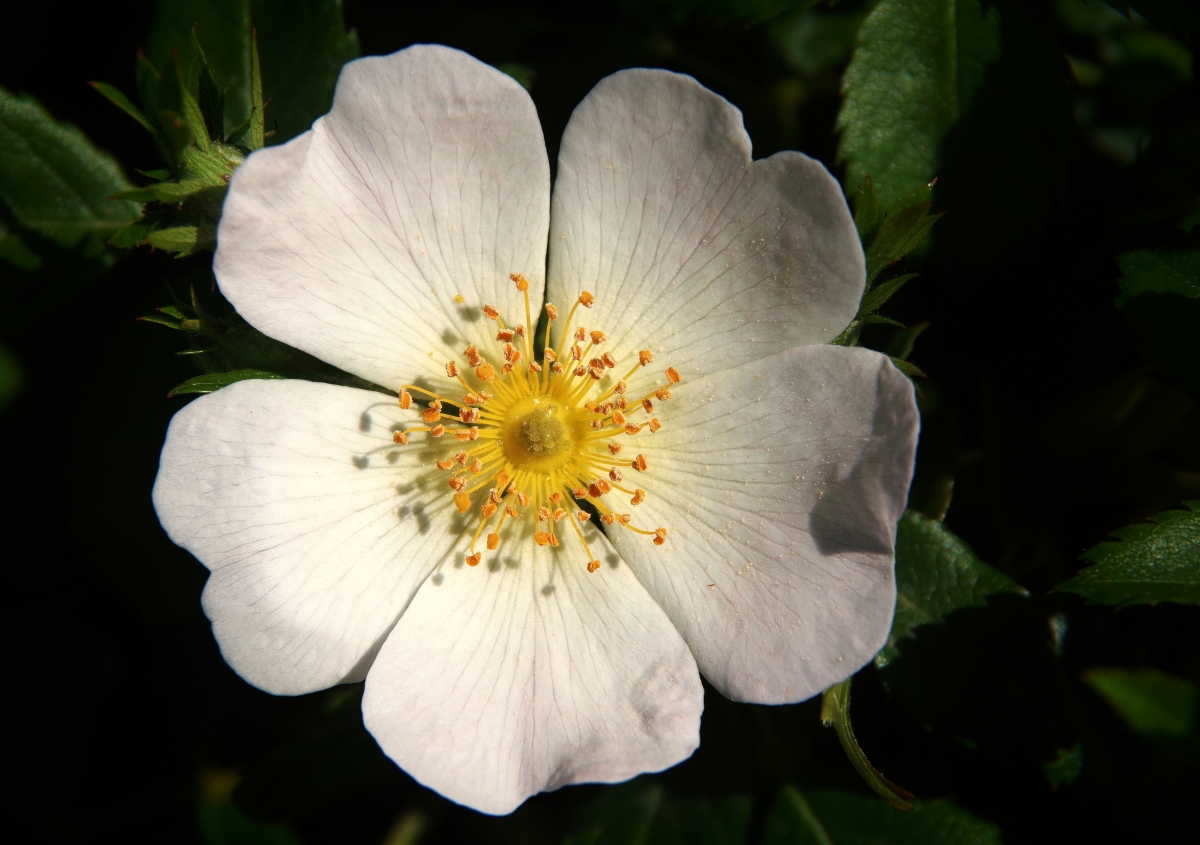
point(124, 722)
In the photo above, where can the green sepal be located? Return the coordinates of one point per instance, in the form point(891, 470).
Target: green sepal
point(866, 216)
point(874, 299)
point(134, 234)
point(257, 135)
point(1151, 702)
point(162, 321)
point(910, 370)
point(168, 192)
point(201, 83)
point(1157, 560)
point(835, 712)
point(901, 344)
point(184, 240)
point(157, 175)
point(114, 96)
point(211, 382)
point(879, 319)
point(902, 230)
point(238, 132)
point(172, 311)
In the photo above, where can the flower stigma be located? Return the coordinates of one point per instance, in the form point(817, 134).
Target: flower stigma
point(532, 440)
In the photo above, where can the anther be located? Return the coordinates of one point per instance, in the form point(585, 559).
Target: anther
point(595, 372)
point(511, 511)
point(505, 335)
point(579, 493)
point(598, 337)
point(660, 536)
point(551, 311)
point(582, 516)
point(511, 354)
point(437, 430)
point(639, 496)
point(542, 538)
point(581, 334)
point(624, 518)
point(614, 447)
point(462, 501)
point(673, 375)
point(446, 464)
point(485, 372)
point(452, 369)
point(543, 513)
point(622, 402)
point(507, 369)
point(484, 396)
point(490, 312)
point(608, 518)
point(493, 540)
point(489, 510)
point(593, 565)
point(522, 285)
point(473, 560)
point(468, 415)
point(662, 394)
point(502, 478)
point(405, 399)
point(655, 425)
point(457, 482)
point(520, 329)
point(576, 353)
point(604, 486)
point(605, 408)
point(609, 360)
point(581, 371)
point(620, 387)
point(400, 437)
point(632, 428)
point(594, 490)
point(558, 514)
point(615, 474)
point(462, 458)
point(476, 466)
point(548, 354)
point(586, 299)
point(639, 463)
point(556, 497)
point(470, 353)
point(558, 368)
point(523, 499)
point(535, 367)
point(648, 405)
point(494, 496)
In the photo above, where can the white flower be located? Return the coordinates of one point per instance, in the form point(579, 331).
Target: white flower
point(383, 241)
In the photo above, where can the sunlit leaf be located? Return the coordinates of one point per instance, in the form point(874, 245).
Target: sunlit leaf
point(1157, 560)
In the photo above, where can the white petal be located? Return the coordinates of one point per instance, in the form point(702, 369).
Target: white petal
point(428, 180)
point(316, 532)
point(504, 681)
point(780, 484)
point(690, 248)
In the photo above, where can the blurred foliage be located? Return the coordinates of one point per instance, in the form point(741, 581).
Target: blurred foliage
point(1044, 291)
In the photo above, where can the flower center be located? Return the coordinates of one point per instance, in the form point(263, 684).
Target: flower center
point(545, 436)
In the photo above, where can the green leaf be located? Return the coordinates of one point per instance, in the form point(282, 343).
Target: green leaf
point(257, 118)
point(1157, 560)
point(835, 712)
point(917, 66)
point(1159, 271)
point(202, 85)
point(936, 574)
point(842, 818)
point(303, 45)
point(55, 181)
point(210, 382)
point(910, 370)
point(14, 251)
point(636, 813)
point(169, 192)
point(135, 233)
point(1152, 702)
point(122, 102)
point(1065, 768)
point(901, 345)
point(184, 240)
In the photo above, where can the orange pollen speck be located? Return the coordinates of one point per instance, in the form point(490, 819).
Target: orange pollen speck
point(609, 360)
point(624, 518)
point(543, 513)
point(604, 486)
point(582, 516)
point(462, 458)
point(558, 368)
point(511, 511)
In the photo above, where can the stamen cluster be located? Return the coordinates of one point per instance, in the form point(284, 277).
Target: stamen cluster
point(542, 446)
